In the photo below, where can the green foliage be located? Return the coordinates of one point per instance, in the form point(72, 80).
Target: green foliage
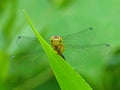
point(58, 17)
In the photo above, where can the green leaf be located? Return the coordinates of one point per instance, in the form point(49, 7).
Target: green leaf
point(66, 76)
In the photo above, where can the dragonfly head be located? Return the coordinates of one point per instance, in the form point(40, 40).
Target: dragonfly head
point(56, 40)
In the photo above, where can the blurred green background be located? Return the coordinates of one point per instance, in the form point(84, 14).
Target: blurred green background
point(56, 17)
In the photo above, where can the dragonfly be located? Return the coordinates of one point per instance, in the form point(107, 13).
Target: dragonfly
point(65, 45)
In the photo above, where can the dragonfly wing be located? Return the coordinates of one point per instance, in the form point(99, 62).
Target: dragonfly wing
point(30, 49)
point(28, 64)
point(81, 56)
point(31, 56)
point(83, 37)
point(28, 42)
point(87, 46)
point(27, 56)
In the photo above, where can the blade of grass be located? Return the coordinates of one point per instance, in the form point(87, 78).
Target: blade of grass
point(66, 76)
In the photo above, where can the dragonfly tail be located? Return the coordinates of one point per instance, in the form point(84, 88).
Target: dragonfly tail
point(62, 56)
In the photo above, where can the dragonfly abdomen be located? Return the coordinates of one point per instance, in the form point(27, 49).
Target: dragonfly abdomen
point(59, 49)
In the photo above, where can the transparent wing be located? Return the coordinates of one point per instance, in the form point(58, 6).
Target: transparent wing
point(80, 49)
point(28, 42)
point(83, 37)
point(25, 41)
point(29, 60)
point(31, 56)
point(30, 49)
point(27, 56)
point(83, 56)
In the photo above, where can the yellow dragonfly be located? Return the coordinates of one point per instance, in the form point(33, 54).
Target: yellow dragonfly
point(80, 42)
